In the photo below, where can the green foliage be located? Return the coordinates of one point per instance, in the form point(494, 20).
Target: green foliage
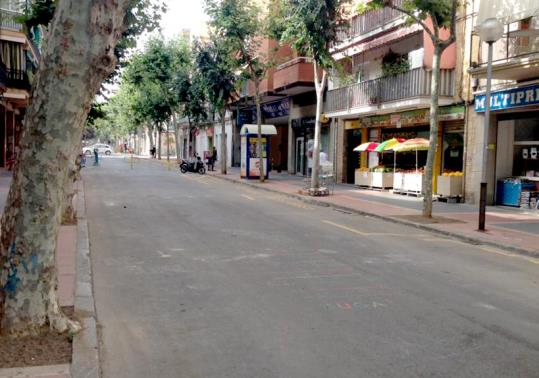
point(238, 26)
point(393, 64)
point(40, 12)
point(216, 75)
point(311, 27)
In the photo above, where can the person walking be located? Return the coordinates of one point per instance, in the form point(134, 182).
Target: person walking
point(213, 158)
point(96, 156)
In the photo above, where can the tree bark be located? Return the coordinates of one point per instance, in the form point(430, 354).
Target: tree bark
point(260, 149)
point(177, 137)
point(159, 142)
point(152, 140)
point(320, 86)
point(168, 143)
point(78, 56)
point(224, 155)
point(433, 138)
point(69, 214)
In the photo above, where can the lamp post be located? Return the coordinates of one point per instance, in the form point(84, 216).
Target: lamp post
point(490, 31)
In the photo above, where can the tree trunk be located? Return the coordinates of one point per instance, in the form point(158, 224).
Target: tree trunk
point(167, 140)
point(177, 138)
point(433, 139)
point(152, 140)
point(223, 142)
point(260, 149)
point(78, 56)
point(69, 214)
point(159, 142)
point(320, 86)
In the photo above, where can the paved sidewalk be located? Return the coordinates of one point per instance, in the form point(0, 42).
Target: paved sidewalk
point(511, 229)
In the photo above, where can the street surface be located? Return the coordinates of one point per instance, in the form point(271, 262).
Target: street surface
point(197, 277)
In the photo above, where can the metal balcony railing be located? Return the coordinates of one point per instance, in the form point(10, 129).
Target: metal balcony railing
point(414, 83)
point(18, 79)
point(365, 23)
point(8, 20)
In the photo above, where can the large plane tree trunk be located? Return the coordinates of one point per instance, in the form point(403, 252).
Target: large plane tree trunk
point(78, 57)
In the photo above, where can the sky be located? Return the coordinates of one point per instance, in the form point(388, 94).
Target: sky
point(183, 14)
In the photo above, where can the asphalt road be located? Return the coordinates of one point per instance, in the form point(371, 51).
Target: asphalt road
point(196, 277)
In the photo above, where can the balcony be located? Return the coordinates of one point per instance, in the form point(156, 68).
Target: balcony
point(294, 77)
point(7, 20)
point(373, 94)
point(18, 79)
point(363, 24)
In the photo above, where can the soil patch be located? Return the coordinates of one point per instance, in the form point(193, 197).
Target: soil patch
point(422, 220)
point(48, 349)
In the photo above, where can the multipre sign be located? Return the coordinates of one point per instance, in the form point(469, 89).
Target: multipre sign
point(512, 98)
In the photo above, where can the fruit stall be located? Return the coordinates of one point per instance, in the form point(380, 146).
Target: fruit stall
point(450, 184)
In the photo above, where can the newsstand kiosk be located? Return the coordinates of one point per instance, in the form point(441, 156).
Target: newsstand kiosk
point(250, 161)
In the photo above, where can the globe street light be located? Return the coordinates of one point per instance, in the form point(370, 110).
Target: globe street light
point(490, 31)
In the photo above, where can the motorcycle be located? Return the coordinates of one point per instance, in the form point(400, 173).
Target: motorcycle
point(196, 166)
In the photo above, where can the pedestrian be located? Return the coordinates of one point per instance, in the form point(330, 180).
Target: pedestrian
point(213, 158)
point(96, 156)
point(125, 148)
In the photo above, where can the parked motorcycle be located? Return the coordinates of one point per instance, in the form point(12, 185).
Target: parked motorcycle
point(196, 166)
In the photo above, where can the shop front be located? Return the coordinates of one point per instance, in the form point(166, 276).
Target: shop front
point(516, 127)
point(303, 135)
point(276, 113)
point(513, 147)
point(377, 162)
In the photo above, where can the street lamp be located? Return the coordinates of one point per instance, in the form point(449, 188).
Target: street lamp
point(490, 31)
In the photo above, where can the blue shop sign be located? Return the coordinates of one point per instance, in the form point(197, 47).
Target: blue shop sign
point(276, 109)
point(246, 116)
point(513, 98)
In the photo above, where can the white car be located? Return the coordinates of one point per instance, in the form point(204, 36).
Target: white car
point(101, 149)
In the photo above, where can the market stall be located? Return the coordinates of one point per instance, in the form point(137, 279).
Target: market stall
point(363, 176)
point(409, 181)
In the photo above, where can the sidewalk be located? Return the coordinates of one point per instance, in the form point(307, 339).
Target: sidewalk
point(511, 229)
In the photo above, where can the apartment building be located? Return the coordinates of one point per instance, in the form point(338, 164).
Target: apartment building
point(513, 137)
point(383, 92)
point(19, 59)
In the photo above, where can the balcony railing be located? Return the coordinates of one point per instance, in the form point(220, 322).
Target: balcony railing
point(414, 83)
point(7, 20)
point(365, 23)
point(18, 79)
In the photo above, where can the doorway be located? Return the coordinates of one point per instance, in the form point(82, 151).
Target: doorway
point(353, 139)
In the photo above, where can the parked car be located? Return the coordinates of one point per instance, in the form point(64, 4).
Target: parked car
point(101, 149)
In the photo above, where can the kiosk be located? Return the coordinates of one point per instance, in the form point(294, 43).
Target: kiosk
point(250, 161)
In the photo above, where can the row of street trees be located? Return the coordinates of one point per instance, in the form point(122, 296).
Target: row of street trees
point(87, 41)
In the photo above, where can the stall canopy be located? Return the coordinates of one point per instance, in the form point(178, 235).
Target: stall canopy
point(507, 11)
point(369, 146)
point(253, 129)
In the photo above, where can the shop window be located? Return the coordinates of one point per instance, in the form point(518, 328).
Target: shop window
point(526, 148)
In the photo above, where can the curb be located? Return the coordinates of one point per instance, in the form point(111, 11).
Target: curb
point(85, 359)
point(454, 235)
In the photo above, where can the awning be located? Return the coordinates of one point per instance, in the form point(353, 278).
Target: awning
point(507, 11)
point(253, 129)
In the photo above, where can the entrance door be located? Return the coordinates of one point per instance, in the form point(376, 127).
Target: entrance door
point(300, 156)
point(353, 139)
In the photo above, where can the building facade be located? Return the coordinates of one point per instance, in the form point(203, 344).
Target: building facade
point(384, 92)
point(19, 58)
point(512, 166)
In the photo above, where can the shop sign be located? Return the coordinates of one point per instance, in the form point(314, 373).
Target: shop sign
point(276, 109)
point(246, 116)
point(512, 98)
point(304, 123)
